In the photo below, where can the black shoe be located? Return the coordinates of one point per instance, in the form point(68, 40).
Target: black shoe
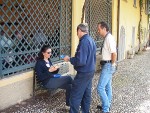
point(99, 107)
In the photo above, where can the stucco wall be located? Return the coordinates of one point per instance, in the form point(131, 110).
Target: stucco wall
point(15, 89)
point(129, 18)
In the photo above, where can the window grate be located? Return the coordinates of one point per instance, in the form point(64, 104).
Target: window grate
point(27, 25)
point(96, 11)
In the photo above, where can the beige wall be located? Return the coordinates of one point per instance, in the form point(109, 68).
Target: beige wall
point(114, 18)
point(15, 89)
point(77, 6)
point(129, 17)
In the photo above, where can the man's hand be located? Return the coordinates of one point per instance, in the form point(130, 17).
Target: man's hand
point(66, 58)
point(114, 64)
point(113, 58)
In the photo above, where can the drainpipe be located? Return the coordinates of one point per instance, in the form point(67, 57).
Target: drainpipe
point(118, 23)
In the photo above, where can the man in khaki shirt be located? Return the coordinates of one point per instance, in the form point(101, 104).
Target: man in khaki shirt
point(109, 56)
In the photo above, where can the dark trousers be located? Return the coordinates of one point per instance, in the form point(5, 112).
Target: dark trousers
point(64, 82)
point(81, 92)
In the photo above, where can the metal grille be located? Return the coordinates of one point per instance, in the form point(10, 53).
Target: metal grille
point(26, 25)
point(96, 11)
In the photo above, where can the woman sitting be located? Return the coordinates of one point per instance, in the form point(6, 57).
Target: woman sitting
point(47, 73)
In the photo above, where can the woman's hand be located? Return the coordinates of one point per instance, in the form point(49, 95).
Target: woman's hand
point(52, 69)
point(56, 66)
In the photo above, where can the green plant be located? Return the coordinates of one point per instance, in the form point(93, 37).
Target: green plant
point(141, 3)
point(140, 31)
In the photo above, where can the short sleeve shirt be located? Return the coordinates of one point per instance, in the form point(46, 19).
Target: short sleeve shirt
point(109, 47)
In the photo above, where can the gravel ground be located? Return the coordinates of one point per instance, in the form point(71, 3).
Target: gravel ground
point(131, 91)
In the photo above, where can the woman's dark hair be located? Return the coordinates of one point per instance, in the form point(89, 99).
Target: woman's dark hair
point(43, 49)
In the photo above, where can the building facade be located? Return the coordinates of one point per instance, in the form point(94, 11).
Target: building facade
point(133, 27)
point(27, 25)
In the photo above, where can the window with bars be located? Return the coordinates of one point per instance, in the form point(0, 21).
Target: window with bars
point(27, 25)
point(96, 11)
point(134, 3)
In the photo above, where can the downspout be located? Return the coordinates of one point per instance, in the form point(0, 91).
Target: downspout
point(118, 23)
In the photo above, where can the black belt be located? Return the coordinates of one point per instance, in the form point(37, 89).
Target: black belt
point(102, 62)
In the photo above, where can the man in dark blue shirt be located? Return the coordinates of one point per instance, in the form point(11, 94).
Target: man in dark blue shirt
point(84, 63)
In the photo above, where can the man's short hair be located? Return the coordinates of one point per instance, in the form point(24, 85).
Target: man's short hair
point(83, 27)
point(103, 25)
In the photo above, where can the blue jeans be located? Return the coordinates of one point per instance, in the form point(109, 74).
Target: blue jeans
point(104, 87)
point(81, 92)
point(64, 82)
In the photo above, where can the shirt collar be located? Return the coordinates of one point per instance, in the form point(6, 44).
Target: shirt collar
point(106, 34)
point(84, 36)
